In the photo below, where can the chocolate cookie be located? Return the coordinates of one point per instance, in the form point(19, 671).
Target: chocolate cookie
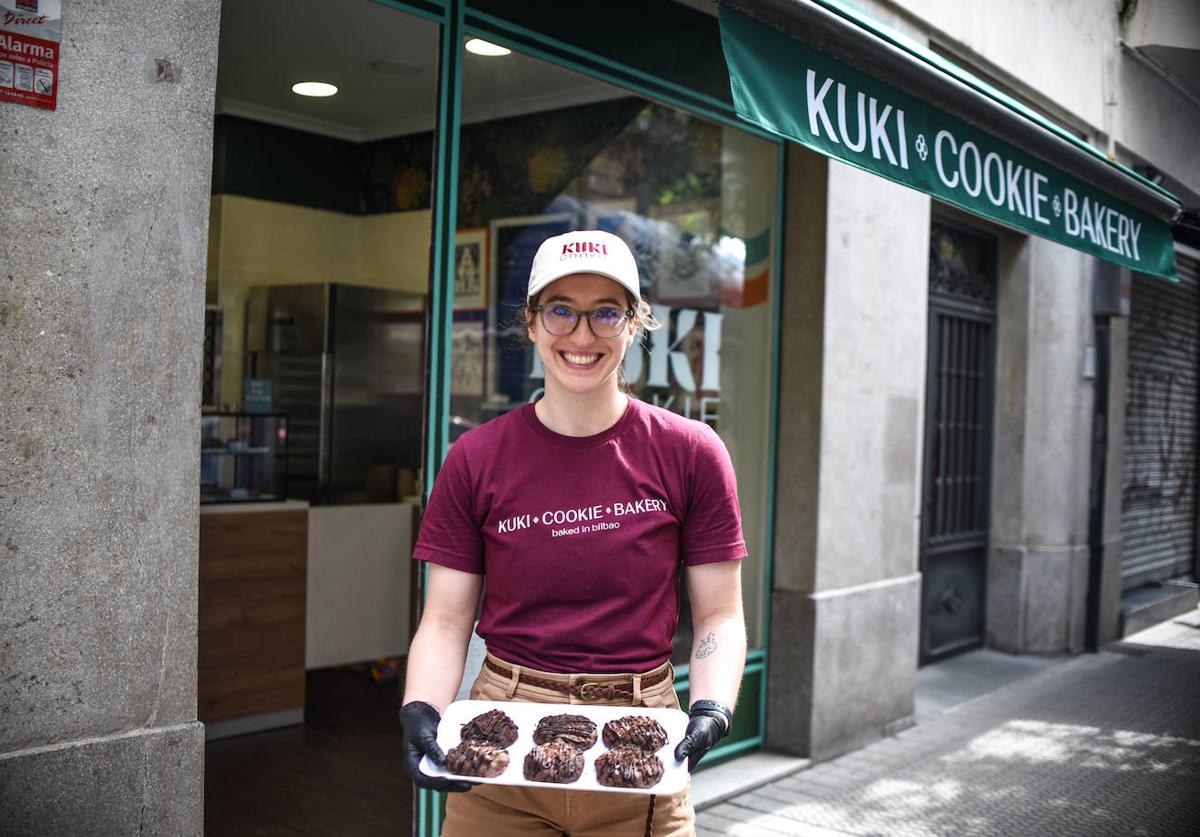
point(557, 761)
point(628, 766)
point(574, 729)
point(637, 730)
point(492, 727)
point(473, 758)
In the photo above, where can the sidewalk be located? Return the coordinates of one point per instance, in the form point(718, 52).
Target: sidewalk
point(1102, 744)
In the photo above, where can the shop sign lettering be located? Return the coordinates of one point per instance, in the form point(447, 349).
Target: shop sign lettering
point(788, 87)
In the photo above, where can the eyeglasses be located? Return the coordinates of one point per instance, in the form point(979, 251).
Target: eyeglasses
point(561, 320)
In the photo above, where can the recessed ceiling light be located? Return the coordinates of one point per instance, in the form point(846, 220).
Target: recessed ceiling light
point(481, 47)
point(318, 89)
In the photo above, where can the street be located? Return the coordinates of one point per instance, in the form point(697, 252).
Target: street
point(1102, 744)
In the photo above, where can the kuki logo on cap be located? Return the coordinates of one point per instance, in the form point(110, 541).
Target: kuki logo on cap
point(583, 248)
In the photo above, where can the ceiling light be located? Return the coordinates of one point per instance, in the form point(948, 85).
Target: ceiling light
point(481, 47)
point(318, 89)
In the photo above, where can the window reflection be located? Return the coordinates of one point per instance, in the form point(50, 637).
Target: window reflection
point(694, 200)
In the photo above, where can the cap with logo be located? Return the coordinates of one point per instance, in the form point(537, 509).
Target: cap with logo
point(584, 251)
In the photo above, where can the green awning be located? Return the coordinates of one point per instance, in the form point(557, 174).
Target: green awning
point(787, 86)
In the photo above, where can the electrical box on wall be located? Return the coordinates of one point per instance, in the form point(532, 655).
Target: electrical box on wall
point(1112, 287)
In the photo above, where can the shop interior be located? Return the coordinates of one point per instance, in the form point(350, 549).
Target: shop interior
point(315, 375)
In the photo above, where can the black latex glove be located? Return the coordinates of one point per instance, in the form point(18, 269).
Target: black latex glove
point(419, 721)
point(703, 732)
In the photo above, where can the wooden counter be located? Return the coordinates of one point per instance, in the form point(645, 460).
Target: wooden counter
point(253, 567)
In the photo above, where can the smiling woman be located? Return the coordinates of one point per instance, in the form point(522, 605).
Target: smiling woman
point(693, 200)
point(551, 596)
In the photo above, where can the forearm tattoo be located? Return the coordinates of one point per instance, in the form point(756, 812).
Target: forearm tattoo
point(707, 646)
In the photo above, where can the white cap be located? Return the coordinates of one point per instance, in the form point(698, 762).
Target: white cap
point(584, 251)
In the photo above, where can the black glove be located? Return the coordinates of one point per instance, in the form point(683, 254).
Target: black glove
point(419, 721)
point(704, 730)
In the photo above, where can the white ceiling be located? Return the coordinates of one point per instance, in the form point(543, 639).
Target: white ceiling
point(268, 45)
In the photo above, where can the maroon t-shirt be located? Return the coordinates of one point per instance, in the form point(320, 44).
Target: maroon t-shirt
point(582, 539)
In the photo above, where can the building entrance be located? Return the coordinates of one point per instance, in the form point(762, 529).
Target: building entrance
point(958, 439)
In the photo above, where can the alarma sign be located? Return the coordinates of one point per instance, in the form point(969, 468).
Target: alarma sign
point(30, 34)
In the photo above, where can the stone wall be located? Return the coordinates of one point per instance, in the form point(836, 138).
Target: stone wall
point(103, 224)
point(1038, 558)
point(846, 591)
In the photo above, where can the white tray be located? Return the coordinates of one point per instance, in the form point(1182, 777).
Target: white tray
point(526, 717)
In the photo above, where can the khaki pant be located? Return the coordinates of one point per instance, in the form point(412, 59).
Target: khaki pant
point(503, 810)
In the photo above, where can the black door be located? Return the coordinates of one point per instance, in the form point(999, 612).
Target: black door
point(958, 439)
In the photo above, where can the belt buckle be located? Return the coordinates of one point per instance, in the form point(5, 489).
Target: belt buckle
point(585, 692)
point(605, 690)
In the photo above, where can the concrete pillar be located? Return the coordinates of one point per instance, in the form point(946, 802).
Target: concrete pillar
point(1109, 624)
point(103, 223)
point(846, 594)
point(1038, 560)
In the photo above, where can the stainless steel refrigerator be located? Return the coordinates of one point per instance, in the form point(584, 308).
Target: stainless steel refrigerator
point(346, 366)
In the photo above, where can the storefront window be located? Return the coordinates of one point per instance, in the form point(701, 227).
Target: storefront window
point(318, 281)
point(319, 241)
point(544, 151)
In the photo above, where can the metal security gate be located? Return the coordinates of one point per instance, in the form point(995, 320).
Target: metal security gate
point(1158, 485)
point(958, 439)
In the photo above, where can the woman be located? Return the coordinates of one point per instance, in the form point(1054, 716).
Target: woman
point(581, 510)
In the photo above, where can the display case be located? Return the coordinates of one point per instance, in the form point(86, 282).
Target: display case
point(243, 457)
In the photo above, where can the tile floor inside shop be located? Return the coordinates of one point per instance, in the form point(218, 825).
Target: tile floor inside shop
point(339, 773)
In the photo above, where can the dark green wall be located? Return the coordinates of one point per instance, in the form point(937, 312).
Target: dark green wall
point(257, 160)
point(659, 38)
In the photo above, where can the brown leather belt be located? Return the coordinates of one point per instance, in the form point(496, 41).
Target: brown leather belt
point(583, 690)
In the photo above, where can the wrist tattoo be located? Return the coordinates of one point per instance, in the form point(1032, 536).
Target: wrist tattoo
point(707, 646)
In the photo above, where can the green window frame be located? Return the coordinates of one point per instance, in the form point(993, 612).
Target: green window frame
point(457, 20)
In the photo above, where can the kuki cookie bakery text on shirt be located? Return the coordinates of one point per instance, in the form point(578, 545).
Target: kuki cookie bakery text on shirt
point(580, 521)
point(582, 539)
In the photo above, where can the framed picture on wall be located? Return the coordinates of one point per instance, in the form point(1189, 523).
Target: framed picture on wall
point(471, 270)
point(513, 242)
point(684, 235)
point(466, 360)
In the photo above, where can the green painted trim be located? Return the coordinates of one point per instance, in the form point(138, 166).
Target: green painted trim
point(758, 666)
point(422, 811)
point(734, 747)
point(773, 433)
point(444, 189)
point(428, 9)
point(438, 804)
point(445, 227)
point(431, 809)
point(499, 31)
point(500, 24)
point(754, 655)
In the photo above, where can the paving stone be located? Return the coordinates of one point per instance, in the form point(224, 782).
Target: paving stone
point(778, 792)
point(738, 820)
point(1102, 744)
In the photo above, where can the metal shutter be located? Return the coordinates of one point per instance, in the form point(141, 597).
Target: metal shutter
point(1158, 486)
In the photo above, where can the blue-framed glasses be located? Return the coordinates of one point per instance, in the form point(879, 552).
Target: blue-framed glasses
point(561, 320)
